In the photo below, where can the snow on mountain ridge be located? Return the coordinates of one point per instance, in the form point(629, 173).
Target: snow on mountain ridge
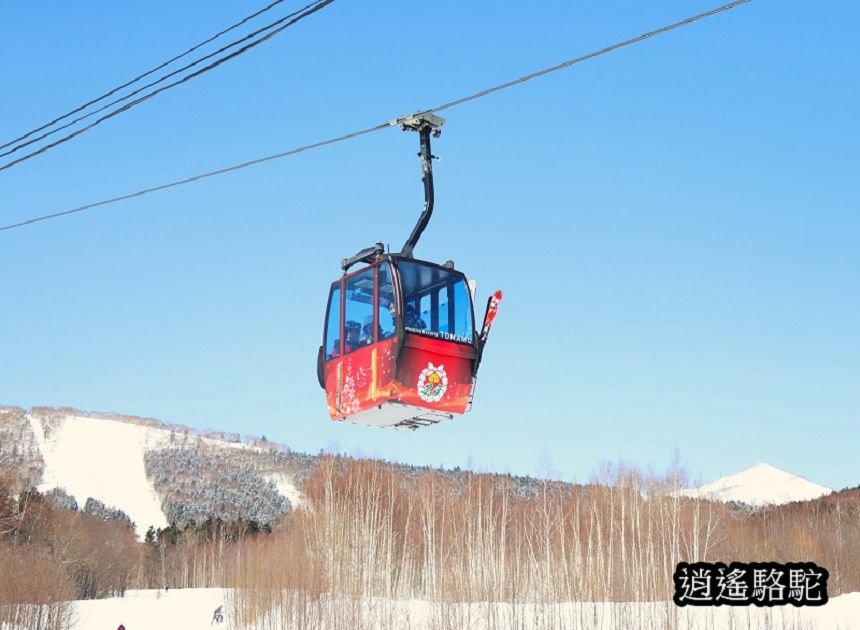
point(759, 485)
point(103, 457)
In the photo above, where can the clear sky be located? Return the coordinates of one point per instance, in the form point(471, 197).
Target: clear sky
point(675, 225)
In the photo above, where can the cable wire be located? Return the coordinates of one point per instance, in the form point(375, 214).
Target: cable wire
point(355, 134)
point(591, 55)
point(156, 82)
point(195, 178)
point(297, 16)
point(142, 76)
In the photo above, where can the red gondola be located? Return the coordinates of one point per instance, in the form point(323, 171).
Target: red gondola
point(400, 348)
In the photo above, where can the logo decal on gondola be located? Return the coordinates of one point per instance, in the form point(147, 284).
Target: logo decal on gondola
point(432, 383)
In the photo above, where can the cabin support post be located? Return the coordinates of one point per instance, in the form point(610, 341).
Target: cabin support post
point(425, 124)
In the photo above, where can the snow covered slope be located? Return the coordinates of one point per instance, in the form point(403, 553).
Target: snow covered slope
point(760, 485)
point(102, 459)
point(287, 487)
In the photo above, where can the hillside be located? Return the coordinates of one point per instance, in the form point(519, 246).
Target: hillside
point(154, 472)
point(20, 453)
point(159, 473)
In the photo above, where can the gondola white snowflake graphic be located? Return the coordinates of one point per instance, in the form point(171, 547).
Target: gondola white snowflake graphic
point(432, 383)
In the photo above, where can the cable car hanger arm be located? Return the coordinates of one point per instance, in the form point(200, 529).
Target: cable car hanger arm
point(368, 255)
point(425, 124)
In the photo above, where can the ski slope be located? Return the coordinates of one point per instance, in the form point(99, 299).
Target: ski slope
point(103, 459)
point(286, 487)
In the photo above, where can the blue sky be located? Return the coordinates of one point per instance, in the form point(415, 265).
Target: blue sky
point(675, 226)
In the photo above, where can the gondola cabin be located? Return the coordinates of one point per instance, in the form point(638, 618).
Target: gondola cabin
point(400, 348)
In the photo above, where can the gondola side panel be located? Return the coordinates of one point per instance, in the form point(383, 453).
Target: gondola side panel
point(435, 374)
point(360, 380)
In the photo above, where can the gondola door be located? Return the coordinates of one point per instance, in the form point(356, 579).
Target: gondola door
point(361, 341)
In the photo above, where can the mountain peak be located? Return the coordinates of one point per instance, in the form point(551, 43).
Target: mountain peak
point(759, 485)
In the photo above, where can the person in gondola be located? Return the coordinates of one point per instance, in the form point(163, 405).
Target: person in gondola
point(352, 340)
point(411, 318)
point(387, 319)
point(367, 334)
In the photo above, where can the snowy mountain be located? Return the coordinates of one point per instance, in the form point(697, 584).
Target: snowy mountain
point(155, 473)
point(161, 473)
point(759, 485)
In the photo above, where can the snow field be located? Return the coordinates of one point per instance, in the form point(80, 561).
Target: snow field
point(187, 609)
point(191, 609)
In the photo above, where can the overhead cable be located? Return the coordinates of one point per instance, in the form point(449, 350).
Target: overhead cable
point(454, 103)
point(591, 55)
point(195, 178)
point(296, 17)
point(141, 76)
